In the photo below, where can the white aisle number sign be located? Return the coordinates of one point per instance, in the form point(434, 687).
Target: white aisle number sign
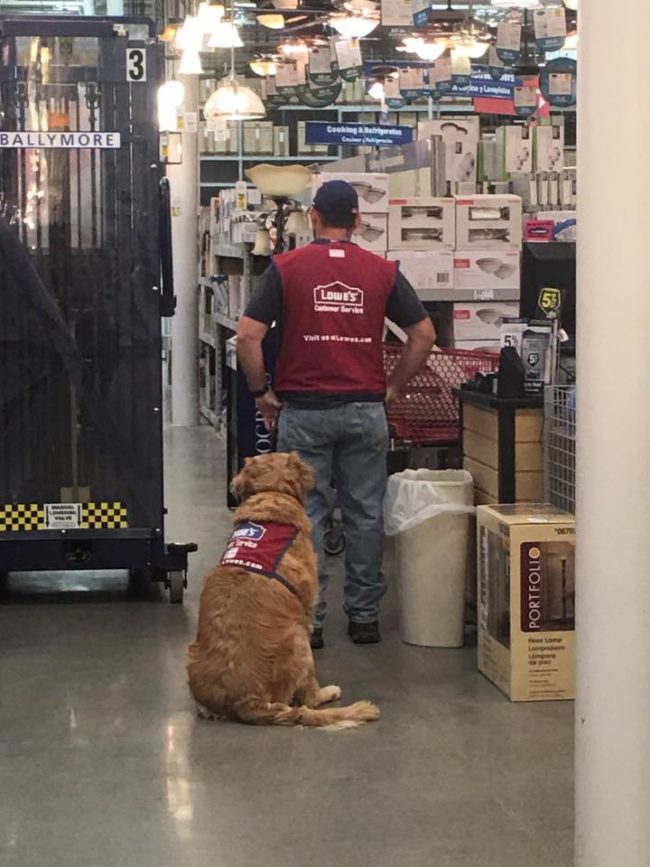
point(136, 64)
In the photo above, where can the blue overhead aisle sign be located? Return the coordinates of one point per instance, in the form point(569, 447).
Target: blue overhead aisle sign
point(378, 135)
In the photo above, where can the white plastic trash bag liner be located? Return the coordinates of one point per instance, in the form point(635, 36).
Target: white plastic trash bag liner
point(430, 512)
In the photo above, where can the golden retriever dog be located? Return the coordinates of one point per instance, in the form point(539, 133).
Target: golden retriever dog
point(251, 660)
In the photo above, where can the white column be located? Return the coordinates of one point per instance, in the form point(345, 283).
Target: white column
point(613, 588)
point(184, 183)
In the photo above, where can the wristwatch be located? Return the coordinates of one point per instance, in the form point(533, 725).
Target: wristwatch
point(260, 393)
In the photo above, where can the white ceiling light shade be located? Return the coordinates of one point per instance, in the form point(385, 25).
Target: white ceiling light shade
point(190, 63)
point(273, 22)
point(190, 35)
point(377, 90)
point(293, 49)
point(263, 66)
point(209, 16)
point(571, 42)
point(234, 102)
point(430, 50)
point(170, 97)
point(225, 35)
point(571, 4)
point(354, 26)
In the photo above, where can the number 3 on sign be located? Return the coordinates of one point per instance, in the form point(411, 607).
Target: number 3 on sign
point(136, 64)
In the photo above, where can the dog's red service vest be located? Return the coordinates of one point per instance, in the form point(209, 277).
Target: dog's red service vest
point(259, 547)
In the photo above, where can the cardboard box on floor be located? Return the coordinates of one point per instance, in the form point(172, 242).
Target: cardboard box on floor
point(526, 600)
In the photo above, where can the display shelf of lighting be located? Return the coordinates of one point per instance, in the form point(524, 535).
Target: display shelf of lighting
point(233, 101)
point(259, 158)
point(354, 25)
point(225, 35)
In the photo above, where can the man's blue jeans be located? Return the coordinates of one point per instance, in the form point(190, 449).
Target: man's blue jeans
point(345, 444)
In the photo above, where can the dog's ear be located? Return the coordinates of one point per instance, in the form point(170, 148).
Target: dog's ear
point(302, 473)
point(242, 484)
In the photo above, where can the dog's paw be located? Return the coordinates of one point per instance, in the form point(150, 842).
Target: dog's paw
point(204, 713)
point(365, 711)
point(329, 693)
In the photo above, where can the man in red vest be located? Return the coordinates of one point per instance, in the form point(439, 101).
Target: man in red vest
point(329, 300)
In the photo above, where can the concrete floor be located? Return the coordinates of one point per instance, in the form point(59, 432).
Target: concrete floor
point(103, 764)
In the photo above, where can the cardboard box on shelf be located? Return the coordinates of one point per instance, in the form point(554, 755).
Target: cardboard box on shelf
point(371, 187)
point(515, 150)
point(526, 600)
point(372, 234)
point(488, 222)
point(426, 271)
point(549, 148)
point(482, 321)
point(461, 137)
point(422, 223)
point(304, 148)
point(258, 137)
point(281, 141)
point(487, 269)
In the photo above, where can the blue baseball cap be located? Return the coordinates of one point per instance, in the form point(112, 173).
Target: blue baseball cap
point(337, 201)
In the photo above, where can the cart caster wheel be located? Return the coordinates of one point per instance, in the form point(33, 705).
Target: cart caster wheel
point(176, 583)
point(334, 542)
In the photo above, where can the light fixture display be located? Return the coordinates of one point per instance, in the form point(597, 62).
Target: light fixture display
point(273, 22)
point(430, 50)
point(354, 26)
point(209, 16)
point(225, 35)
point(232, 101)
point(190, 63)
point(263, 66)
point(190, 35)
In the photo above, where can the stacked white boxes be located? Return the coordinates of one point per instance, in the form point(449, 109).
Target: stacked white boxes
point(372, 190)
point(487, 261)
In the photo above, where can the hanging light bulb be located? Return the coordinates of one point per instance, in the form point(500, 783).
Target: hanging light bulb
point(469, 46)
point(377, 90)
point(225, 35)
point(263, 66)
point(190, 63)
point(273, 22)
point(170, 97)
point(209, 16)
point(353, 26)
point(430, 50)
point(190, 35)
point(232, 101)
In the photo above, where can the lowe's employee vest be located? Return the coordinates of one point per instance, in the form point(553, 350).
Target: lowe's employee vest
point(333, 308)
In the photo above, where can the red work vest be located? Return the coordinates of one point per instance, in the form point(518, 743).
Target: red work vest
point(334, 299)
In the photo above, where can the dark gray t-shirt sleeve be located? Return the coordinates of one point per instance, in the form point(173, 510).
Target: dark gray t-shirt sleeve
point(265, 304)
point(404, 308)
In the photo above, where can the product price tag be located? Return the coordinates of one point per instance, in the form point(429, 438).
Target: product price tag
point(525, 100)
point(321, 70)
point(461, 70)
point(191, 121)
point(286, 78)
point(392, 94)
point(421, 12)
point(495, 65)
point(484, 295)
point(550, 28)
point(560, 83)
point(348, 55)
point(411, 82)
point(396, 13)
point(508, 46)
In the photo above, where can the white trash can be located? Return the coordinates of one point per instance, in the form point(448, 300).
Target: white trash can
point(430, 512)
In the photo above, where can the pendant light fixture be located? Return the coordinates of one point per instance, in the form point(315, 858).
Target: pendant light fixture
point(170, 97)
point(272, 21)
point(209, 16)
point(190, 35)
point(430, 50)
point(225, 35)
point(190, 63)
point(231, 100)
point(354, 26)
point(263, 65)
point(571, 4)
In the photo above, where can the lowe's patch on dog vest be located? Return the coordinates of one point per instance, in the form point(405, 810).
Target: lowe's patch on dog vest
point(258, 547)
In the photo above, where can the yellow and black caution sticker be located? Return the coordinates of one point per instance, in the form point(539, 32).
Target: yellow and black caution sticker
point(21, 517)
point(104, 516)
point(24, 517)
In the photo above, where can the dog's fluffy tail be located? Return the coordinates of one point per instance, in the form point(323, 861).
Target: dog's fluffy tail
point(258, 713)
